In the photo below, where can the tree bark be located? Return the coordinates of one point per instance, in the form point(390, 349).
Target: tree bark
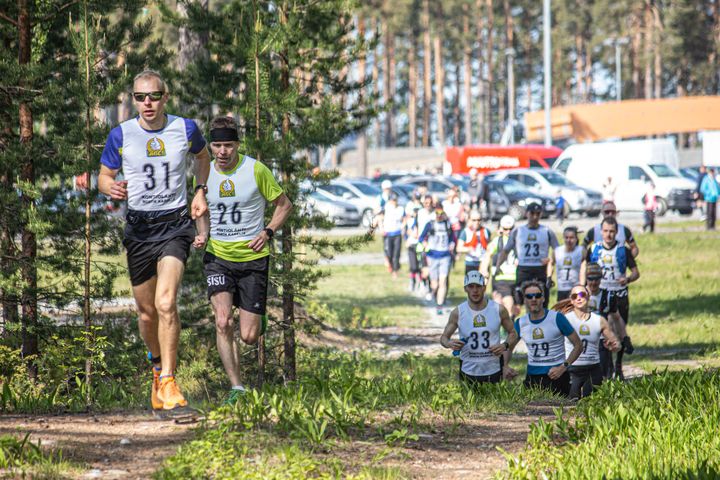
point(635, 45)
point(657, 43)
point(362, 67)
point(191, 44)
point(412, 93)
point(27, 174)
point(390, 87)
point(439, 89)
point(467, 77)
point(427, 79)
point(376, 87)
point(456, 106)
point(588, 71)
point(578, 68)
point(490, 67)
point(482, 88)
point(648, 48)
point(286, 239)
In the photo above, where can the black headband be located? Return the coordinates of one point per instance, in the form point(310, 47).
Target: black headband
point(224, 135)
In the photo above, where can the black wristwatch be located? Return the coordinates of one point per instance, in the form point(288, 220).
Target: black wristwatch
point(269, 232)
point(202, 187)
point(566, 364)
point(507, 345)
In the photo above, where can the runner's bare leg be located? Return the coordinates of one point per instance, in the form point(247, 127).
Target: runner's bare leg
point(170, 272)
point(148, 322)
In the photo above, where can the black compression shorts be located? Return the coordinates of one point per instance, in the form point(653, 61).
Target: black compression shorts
point(142, 257)
point(246, 281)
point(612, 301)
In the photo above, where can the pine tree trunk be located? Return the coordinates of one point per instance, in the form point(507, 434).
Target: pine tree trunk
point(7, 251)
point(578, 68)
point(412, 93)
point(456, 106)
point(376, 86)
point(390, 87)
point(427, 79)
point(362, 67)
point(467, 77)
point(635, 55)
point(490, 67)
point(482, 87)
point(588, 71)
point(27, 174)
point(439, 89)
point(286, 239)
point(647, 49)
point(657, 43)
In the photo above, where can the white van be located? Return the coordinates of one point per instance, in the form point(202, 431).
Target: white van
point(629, 163)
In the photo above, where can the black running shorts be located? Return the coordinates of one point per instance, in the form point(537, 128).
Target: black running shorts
point(503, 287)
point(612, 301)
point(142, 257)
point(247, 281)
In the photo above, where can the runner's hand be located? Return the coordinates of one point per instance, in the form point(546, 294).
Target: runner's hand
point(497, 349)
point(509, 373)
point(200, 240)
point(557, 372)
point(258, 242)
point(455, 344)
point(612, 345)
point(199, 205)
point(118, 190)
point(622, 280)
point(546, 260)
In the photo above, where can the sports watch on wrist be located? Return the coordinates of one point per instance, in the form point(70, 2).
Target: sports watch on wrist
point(566, 364)
point(269, 232)
point(201, 186)
point(507, 345)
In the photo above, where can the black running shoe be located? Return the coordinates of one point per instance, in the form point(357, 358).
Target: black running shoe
point(619, 372)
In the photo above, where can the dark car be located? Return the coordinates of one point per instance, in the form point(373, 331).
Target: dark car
point(508, 197)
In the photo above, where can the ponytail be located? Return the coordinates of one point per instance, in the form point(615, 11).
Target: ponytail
point(563, 306)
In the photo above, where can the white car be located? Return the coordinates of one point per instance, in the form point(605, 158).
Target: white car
point(342, 213)
point(549, 182)
point(361, 193)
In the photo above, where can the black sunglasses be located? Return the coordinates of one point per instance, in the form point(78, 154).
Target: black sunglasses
point(577, 295)
point(608, 212)
point(154, 96)
point(592, 279)
point(534, 296)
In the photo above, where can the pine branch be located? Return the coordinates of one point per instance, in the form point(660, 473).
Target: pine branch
point(8, 19)
point(58, 11)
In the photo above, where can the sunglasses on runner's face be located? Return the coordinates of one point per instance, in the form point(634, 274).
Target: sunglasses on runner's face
point(609, 212)
point(593, 279)
point(154, 96)
point(577, 295)
point(534, 296)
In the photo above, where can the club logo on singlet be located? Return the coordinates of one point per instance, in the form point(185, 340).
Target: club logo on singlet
point(607, 259)
point(479, 320)
point(538, 333)
point(584, 330)
point(531, 237)
point(567, 261)
point(227, 188)
point(155, 147)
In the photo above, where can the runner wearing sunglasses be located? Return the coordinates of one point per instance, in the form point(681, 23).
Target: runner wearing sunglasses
point(615, 261)
point(151, 150)
point(570, 263)
point(585, 372)
point(544, 332)
point(484, 358)
point(624, 235)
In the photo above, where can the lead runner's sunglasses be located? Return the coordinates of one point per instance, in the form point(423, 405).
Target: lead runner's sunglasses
point(154, 96)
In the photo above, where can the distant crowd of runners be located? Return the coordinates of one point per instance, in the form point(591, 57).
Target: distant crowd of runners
point(570, 346)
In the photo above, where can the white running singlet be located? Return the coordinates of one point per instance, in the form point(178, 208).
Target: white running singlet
point(237, 208)
point(608, 261)
point(480, 329)
point(545, 342)
point(154, 165)
point(589, 332)
point(568, 267)
point(532, 245)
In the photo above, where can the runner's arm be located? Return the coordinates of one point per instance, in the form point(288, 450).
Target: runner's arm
point(583, 269)
point(202, 226)
point(283, 207)
point(611, 341)
point(508, 372)
point(107, 184)
point(202, 171)
point(630, 240)
point(485, 265)
point(450, 328)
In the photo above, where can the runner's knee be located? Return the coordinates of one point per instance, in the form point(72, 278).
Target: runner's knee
point(166, 307)
point(224, 321)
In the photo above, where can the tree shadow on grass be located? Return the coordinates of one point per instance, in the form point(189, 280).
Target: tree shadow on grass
point(651, 313)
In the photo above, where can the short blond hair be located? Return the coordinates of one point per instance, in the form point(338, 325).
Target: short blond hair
point(151, 74)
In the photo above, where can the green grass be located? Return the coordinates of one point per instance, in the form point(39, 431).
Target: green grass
point(658, 427)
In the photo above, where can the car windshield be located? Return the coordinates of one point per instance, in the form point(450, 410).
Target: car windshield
point(663, 171)
point(460, 182)
point(555, 178)
point(366, 188)
point(514, 188)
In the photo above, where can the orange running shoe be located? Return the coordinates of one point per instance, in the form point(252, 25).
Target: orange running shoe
point(156, 403)
point(169, 393)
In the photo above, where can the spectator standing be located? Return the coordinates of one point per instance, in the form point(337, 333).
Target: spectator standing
point(608, 190)
point(710, 191)
point(560, 207)
point(474, 189)
point(650, 206)
point(698, 195)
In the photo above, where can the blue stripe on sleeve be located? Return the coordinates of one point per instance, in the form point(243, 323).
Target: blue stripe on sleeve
point(425, 231)
point(111, 157)
point(194, 136)
point(563, 324)
point(517, 326)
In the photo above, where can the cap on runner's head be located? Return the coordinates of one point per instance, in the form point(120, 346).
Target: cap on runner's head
point(507, 222)
point(593, 272)
point(533, 207)
point(474, 277)
point(386, 184)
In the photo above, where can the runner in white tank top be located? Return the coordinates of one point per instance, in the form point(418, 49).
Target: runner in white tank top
point(569, 262)
point(478, 320)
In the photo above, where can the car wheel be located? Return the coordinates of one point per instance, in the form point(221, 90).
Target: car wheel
point(685, 211)
point(367, 218)
point(661, 207)
point(593, 213)
point(516, 211)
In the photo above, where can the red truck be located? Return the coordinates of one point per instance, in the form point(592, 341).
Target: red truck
point(487, 158)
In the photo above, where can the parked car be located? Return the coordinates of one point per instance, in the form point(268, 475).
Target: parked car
point(361, 193)
point(343, 213)
point(691, 173)
point(437, 185)
point(549, 182)
point(630, 163)
point(508, 197)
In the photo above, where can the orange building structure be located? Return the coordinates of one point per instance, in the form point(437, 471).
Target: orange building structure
point(627, 119)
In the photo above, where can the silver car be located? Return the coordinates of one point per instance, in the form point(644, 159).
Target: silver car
point(342, 213)
point(361, 193)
